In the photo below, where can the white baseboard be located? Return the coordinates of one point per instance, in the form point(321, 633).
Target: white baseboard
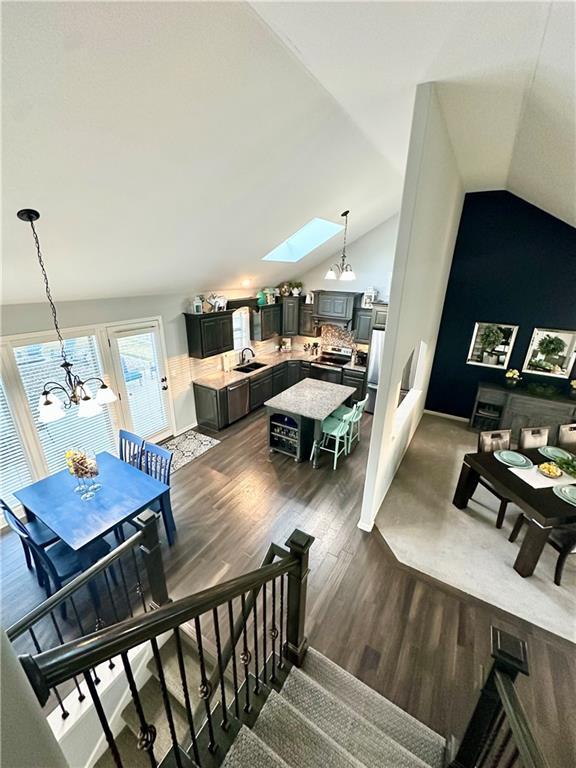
point(446, 415)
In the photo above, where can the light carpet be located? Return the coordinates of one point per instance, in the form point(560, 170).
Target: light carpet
point(188, 446)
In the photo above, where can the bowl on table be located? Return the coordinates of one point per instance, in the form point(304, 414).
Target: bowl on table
point(550, 469)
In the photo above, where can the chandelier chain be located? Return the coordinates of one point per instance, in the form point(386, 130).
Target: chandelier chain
point(48, 293)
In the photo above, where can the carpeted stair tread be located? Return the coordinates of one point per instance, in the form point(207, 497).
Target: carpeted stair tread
point(410, 733)
point(248, 751)
point(129, 752)
point(345, 726)
point(153, 705)
point(171, 669)
point(296, 740)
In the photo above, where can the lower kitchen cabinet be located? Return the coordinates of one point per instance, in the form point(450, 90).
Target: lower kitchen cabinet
point(355, 379)
point(292, 372)
point(324, 373)
point(211, 407)
point(304, 369)
point(261, 389)
point(279, 378)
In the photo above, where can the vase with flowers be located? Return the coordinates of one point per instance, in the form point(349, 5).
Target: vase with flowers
point(512, 377)
point(84, 467)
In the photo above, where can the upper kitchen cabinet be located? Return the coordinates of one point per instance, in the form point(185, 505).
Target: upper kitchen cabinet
point(379, 316)
point(291, 315)
point(335, 305)
point(209, 334)
point(266, 322)
point(307, 325)
point(362, 325)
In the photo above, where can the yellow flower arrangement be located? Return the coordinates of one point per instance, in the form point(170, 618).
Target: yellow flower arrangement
point(512, 373)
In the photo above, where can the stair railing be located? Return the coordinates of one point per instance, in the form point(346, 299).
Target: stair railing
point(112, 589)
point(498, 733)
point(275, 592)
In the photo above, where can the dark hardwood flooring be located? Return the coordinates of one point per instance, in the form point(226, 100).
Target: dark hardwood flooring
point(422, 644)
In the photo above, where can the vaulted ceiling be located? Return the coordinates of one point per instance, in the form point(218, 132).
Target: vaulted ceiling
point(169, 146)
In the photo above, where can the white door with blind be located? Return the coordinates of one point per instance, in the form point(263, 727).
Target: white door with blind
point(139, 365)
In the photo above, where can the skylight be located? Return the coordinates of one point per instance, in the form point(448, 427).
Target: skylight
point(305, 240)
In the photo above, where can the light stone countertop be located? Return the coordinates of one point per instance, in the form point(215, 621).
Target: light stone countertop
point(311, 398)
point(221, 379)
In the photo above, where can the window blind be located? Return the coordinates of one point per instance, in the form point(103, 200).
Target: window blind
point(39, 363)
point(14, 470)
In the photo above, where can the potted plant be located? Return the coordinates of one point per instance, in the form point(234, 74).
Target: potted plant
point(512, 377)
point(490, 338)
point(296, 288)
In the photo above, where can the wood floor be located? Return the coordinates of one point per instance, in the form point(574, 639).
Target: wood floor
point(423, 645)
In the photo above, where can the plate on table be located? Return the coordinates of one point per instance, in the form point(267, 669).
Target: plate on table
point(513, 459)
point(566, 493)
point(554, 453)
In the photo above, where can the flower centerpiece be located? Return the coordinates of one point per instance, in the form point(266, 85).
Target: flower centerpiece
point(85, 469)
point(512, 377)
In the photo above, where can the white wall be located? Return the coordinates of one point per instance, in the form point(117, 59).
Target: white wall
point(371, 256)
point(429, 216)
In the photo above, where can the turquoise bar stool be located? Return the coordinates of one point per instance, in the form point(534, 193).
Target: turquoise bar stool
point(355, 420)
point(337, 429)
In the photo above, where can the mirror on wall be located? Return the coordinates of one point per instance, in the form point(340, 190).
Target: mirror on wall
point(551, 353)
point(491, 344)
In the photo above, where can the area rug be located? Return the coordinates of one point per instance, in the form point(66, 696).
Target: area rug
point(188, 446)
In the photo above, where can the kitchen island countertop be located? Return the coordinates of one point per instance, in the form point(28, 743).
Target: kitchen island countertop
point(311, 398)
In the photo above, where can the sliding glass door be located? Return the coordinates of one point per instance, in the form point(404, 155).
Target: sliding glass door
point(138, 361)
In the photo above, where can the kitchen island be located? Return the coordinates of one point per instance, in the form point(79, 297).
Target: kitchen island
point(295, 416)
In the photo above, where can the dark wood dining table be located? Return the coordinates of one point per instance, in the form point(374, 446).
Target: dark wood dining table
point(541, 507)
point(125, 492)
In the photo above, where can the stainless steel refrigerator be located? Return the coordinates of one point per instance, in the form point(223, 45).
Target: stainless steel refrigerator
point(374, 357)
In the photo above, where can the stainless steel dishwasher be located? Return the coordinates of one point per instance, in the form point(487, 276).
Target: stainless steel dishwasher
point(238, 400)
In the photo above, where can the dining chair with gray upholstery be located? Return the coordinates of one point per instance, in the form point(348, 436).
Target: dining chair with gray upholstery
point(533, 437)
point(567, 437)
point(488, 442)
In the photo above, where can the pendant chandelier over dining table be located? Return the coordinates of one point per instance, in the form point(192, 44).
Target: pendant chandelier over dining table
point(342, 271)
point(57, 398)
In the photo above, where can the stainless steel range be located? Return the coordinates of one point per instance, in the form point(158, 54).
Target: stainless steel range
point(329, 365)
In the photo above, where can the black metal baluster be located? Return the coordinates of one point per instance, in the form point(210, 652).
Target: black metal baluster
point(490, 739)
point(65, 712)
point(82, 633)
point(224, 723)
point(125, 586)
point(81, 696)
point(166, 700)
point(147, 734)
point(273, 632)
point(264, 638)
point(111, 596)
point(205, 686)
point(281, 654)
point(184, 681)
point(103, 720)
point(234, 667)
point(245, 655)
point(513, 759)
point(139, 587)
point(501, 749)
point(256, 662)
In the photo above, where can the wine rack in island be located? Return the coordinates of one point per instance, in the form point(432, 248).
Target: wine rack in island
point(290, 434)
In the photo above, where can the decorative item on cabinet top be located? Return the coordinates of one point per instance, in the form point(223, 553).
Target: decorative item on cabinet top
point(491, 344)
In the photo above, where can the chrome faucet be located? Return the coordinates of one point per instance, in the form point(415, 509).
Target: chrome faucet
point(246, 349)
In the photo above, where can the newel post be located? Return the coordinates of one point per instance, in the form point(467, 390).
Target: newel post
point(147, 522)
point(296, 644)
point(510, 657)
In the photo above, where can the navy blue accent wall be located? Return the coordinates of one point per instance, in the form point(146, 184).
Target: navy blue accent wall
point(513, 263)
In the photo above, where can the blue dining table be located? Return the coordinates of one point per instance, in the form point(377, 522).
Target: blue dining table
point(126, 491)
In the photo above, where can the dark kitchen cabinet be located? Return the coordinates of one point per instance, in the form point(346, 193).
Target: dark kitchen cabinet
point(334, 375)
point(335, 305)
point(211, 407)
point(266, 322)
point(379, 316)
point(355, 379)
point(209, 334)
point(292, 373)
point(290, 315)
point(261, 389)
point(304, 369)
point(307, 326)
point(362, 325)
point(279, 378)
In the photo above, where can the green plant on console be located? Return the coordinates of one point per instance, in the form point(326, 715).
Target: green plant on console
point(490, 338)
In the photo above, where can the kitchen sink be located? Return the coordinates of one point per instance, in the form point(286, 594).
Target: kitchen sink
point(248, 367)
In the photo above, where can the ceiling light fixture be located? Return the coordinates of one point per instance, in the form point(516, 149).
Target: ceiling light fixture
point(75, 390)
point(342, 271)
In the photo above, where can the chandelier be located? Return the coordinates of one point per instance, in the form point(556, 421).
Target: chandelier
point(57, 398)
point(342, 271)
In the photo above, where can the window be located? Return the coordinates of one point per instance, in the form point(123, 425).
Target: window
point(241, 328)
point(301, 243)
point(14, 470)
point(39, 363)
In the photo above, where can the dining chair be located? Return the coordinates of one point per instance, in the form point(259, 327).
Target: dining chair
point(57, 564)
point(533, 437)
point(157, 462)
point(335, 429)
point(355, 421)
point(567, 437)
point(38, 532)
point(130, 447)
point(562, 539)
point(488, 442)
